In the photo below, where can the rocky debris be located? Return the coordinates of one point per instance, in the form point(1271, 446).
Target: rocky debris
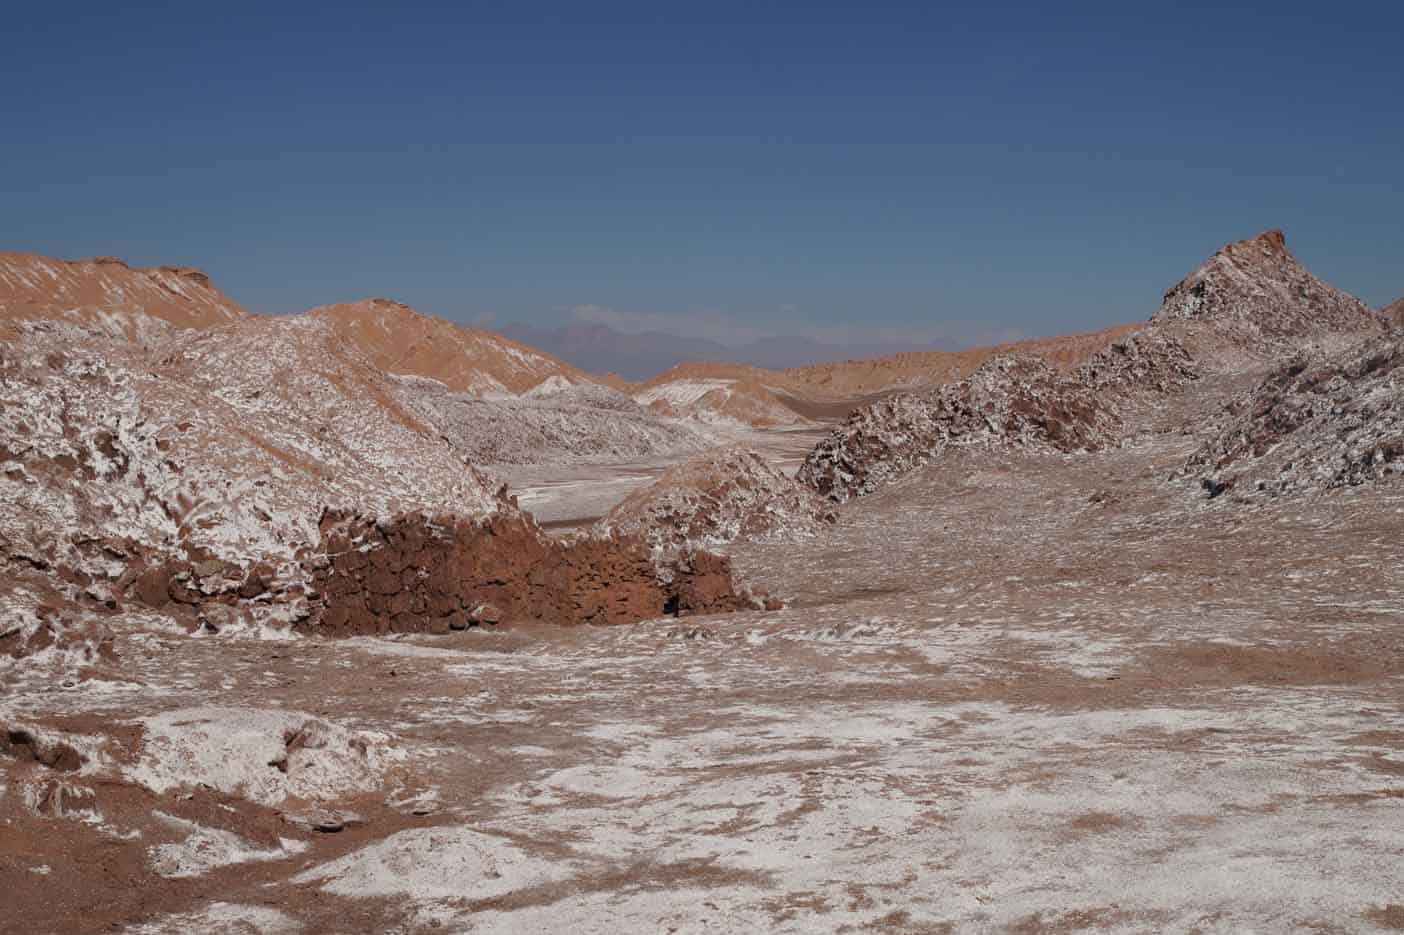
point(1318, 422)
point(221, 918)
point(440, 863)
point(555, 423)
point(400, 340)
point(324, 821)
point(717, 498)
point(421, 572)
point(1393, 313)
point(107, 295)
point(1009, 401)
point(1253, 299)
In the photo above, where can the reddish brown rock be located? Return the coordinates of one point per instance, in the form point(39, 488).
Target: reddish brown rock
point(459, 573)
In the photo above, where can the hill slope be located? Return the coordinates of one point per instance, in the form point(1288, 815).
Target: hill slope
point(218, 446)
point(399, 339)
point(105, 292)
point(764, 398)
point(919, 368)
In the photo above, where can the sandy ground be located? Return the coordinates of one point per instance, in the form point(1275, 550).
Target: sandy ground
point(1010, 694)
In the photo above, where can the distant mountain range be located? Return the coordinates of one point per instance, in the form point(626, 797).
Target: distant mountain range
point(637, 356)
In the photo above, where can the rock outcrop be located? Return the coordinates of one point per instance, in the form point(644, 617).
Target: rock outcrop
point(1010, 401)
point(422, 572)
point(1318, 422)
point(198, 469)
point(1393, 313)
point(717, 498)
point(38, 626)
point(1247, 307)
point(194, 476)
point(1252, 300)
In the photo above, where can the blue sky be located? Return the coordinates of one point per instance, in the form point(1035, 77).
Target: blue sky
point(736, 169)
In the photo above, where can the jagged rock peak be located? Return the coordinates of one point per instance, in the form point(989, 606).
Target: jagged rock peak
point(1260, 299)
point(1271, 239)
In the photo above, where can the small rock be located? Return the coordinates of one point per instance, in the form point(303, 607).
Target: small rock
point(485, 613)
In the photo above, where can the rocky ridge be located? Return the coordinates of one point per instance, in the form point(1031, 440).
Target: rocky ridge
point(1318, 422)
point(1247, 306)
point(915, 369)
point(1009, 400)
point(107, 295)
point(714, 499)
point(400, 340)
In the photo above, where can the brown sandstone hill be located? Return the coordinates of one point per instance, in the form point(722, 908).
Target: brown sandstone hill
point(398, 339)
point(723, 392)
point(760, 397)
point(859, 377)
point(106, 293)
